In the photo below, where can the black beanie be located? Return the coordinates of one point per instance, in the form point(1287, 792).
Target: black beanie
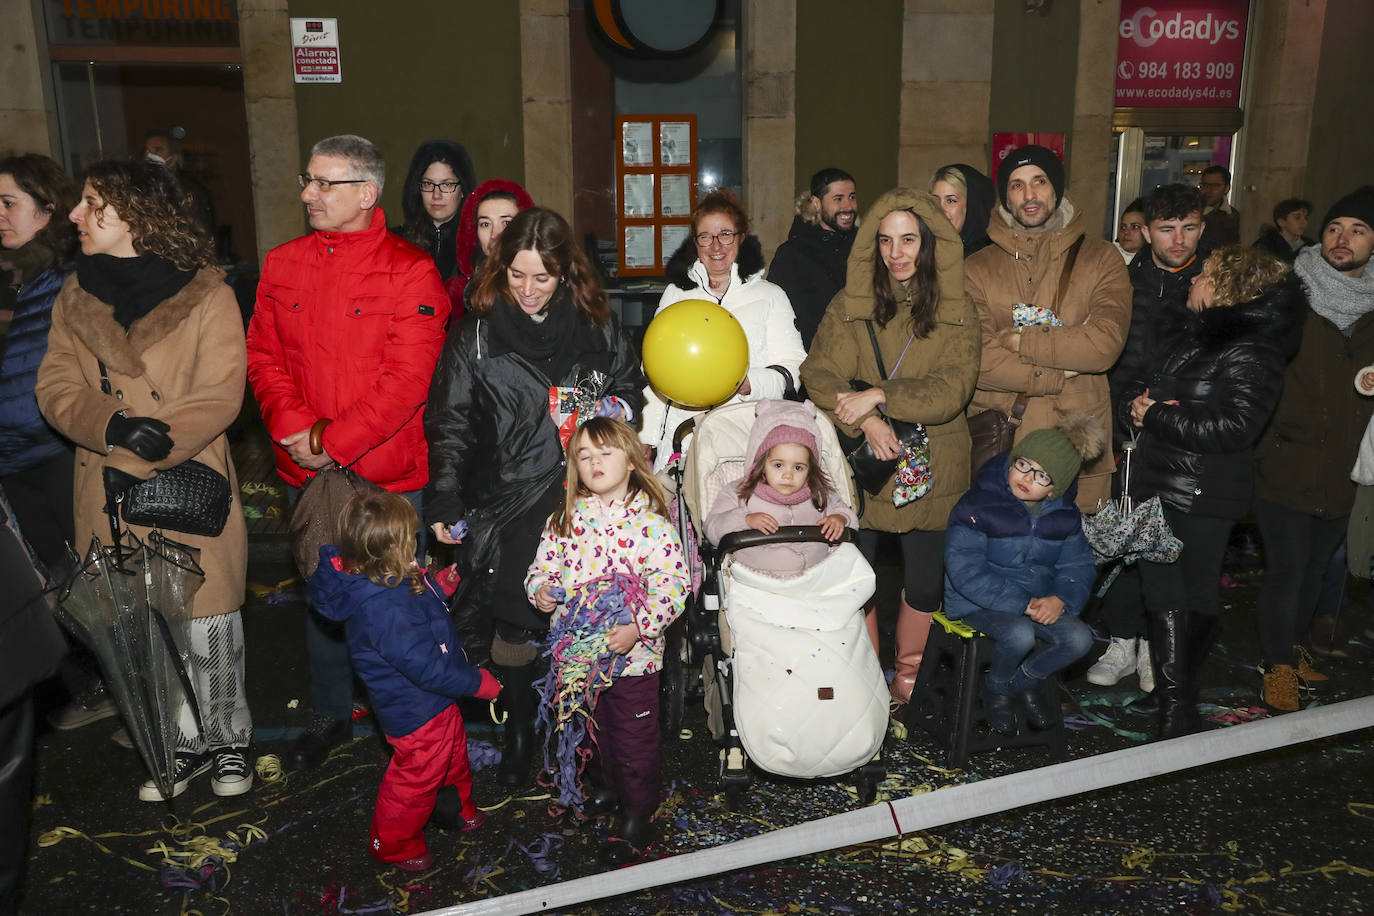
point(1031, 154)
point(1358, 204)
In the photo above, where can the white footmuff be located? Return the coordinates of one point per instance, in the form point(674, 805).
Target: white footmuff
point(809, 696)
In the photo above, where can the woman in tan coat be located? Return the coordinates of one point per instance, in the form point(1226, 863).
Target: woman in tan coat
point(905, 278)
point(147, 307)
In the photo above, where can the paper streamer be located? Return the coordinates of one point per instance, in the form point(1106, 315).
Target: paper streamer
point(947, 806)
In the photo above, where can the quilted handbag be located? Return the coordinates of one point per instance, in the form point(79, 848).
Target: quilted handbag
point(872, 473)
point(191, 497)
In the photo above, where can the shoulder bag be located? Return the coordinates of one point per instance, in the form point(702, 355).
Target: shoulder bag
point(870, 472)
point(992, 432)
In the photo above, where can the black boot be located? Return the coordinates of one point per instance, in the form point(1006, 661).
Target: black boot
point(1171, 649)
point(999, 712)
point(1039, 713)
point(600, 800)
point(635, 836)
point(520, 700)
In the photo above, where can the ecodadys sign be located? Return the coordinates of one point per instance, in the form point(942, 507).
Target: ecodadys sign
point(1179, 54)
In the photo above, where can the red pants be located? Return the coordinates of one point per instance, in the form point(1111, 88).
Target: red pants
point(432, 756)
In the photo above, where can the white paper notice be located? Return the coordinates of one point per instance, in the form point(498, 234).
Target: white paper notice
point(639, 247)
point(637, 143)
point(675, 143)
point(673, 237)
point(639, 195)
point(675, 192)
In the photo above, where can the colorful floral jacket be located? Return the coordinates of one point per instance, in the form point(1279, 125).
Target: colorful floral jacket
point(620, 537)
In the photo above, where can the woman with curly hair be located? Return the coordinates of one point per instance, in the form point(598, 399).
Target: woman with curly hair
point(541, 339)
point(145, 370)
point(1200, 406)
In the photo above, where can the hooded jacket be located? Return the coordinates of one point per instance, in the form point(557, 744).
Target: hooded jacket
point(1224, 366)
point(979, 202)
point(347, 327)
point(730, 513)
point(932, 383)
point(762, 310)
point(1159, 298)
point(998, 556)
point(437, 241)
point(809, 267)
point(1025, 267)
point(402, 645)
point(465, 245)
point(26, 439)
point(1272, 240)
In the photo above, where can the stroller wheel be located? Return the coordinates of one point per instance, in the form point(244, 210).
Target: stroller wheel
point(672, 688)
point(734, 796)
point(868, 789)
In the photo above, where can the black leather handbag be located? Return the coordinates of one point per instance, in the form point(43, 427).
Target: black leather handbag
point(872, 473)
point(191, 498)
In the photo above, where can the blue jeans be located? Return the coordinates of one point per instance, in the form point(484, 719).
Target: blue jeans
point(326, 650)
point(1028, 652)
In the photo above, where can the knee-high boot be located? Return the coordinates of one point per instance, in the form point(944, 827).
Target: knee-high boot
point(913, 627)
point(871, 622)
point(520, 700)
point(1172, 650)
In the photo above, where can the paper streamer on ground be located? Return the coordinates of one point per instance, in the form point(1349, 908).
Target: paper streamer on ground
point(935, 809)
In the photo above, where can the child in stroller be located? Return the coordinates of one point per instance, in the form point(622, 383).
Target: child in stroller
point(792, 680)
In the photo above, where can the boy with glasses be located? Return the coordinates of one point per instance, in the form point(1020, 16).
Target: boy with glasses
point(1019, 569)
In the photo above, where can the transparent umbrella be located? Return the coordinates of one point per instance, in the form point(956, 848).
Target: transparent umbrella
point(1124, 531)
point(130, 605)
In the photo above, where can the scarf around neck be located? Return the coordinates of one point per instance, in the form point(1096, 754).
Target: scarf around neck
point(549, 339)
point(133, 287)
point(766, 493)
point(1336, 296)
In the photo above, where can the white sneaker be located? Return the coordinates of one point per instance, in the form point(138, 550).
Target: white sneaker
point(1114, 664)
point(1144, 668)
point(188, 767)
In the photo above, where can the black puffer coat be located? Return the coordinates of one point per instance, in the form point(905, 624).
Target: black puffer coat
point(494, 448)
point(1159, 297)
point(1224, 366)
point(810, 267)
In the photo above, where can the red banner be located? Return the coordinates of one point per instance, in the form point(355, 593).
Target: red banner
point(1180, 54)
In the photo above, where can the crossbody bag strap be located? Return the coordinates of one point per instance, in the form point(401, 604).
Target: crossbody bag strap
point(877, 353)
point(1018, 409)
point(1067, 273)
point(104, 378)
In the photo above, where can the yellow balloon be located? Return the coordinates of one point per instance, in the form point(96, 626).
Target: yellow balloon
point(695, 353)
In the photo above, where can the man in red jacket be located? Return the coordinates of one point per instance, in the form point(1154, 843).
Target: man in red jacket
point(345, 334)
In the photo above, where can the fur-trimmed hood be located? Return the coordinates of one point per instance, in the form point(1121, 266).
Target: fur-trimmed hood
point(681, 271)
point(93, 321)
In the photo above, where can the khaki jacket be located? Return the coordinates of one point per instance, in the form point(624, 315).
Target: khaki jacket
point(935, 379)
point(184, 363)
point(1024, 267)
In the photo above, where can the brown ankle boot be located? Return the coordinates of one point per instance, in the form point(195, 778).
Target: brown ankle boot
point(913, 627)
point(1308, 675)
point(1281, 688)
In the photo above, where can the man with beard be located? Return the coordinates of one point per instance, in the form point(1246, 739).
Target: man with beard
point(810, 265)
point(1161, 277)
point(1222, 219)
point(1303, 490)
point(1040, 256)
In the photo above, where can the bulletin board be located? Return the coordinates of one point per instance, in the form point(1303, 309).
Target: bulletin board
point(656, 187)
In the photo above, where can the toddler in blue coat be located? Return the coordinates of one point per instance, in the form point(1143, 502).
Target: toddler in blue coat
point(1018, 568)
point(404, 648)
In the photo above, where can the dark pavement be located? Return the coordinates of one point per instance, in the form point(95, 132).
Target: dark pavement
point(1287, 831)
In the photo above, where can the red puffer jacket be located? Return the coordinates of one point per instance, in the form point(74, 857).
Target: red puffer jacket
point(349, 326)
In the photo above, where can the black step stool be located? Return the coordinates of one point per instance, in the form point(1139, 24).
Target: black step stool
point(947, 701)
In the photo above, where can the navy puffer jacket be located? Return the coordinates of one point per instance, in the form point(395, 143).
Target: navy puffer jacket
point(26, 439)
point(998, 557)
point(403, 645)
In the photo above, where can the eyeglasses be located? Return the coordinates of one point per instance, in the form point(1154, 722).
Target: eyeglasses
point(324, 184)
point(1037, 475)
point(446, 187)
point(726, 237)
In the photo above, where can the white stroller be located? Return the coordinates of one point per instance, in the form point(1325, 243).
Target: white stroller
point(791, 679)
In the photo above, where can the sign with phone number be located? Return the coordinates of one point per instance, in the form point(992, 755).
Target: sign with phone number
point(1180, 54)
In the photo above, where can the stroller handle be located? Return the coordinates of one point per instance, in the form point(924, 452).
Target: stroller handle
point(790, 534)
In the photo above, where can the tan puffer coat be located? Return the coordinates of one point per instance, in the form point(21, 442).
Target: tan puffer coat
point(935, 379)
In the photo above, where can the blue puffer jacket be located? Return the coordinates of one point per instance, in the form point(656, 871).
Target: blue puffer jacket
point(403, 645)
point(26, 439)
point(998, 557)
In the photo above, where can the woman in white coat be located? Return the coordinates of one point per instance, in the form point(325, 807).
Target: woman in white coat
point(721, 262)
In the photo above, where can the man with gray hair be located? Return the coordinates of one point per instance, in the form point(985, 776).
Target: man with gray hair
point(344, 337)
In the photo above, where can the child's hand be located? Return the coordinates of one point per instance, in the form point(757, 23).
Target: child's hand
point(1045, 610)
point(447, 580)
point(622, 639)
point(489, 688)
point(545, 599)
point(762, 521)
point(832, 526)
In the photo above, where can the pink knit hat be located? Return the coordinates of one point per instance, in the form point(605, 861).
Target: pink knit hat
point(779, 422)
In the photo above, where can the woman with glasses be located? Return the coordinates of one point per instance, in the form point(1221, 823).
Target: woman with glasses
point(145, 370)
point(540, 341)
point(721, 262)
point(439, 180)
point(904, 293)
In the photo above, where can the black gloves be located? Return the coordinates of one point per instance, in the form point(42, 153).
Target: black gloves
point(117, 483)
point(146, 437)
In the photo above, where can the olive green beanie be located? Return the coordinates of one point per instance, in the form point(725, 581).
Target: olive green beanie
point(1061, 450)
